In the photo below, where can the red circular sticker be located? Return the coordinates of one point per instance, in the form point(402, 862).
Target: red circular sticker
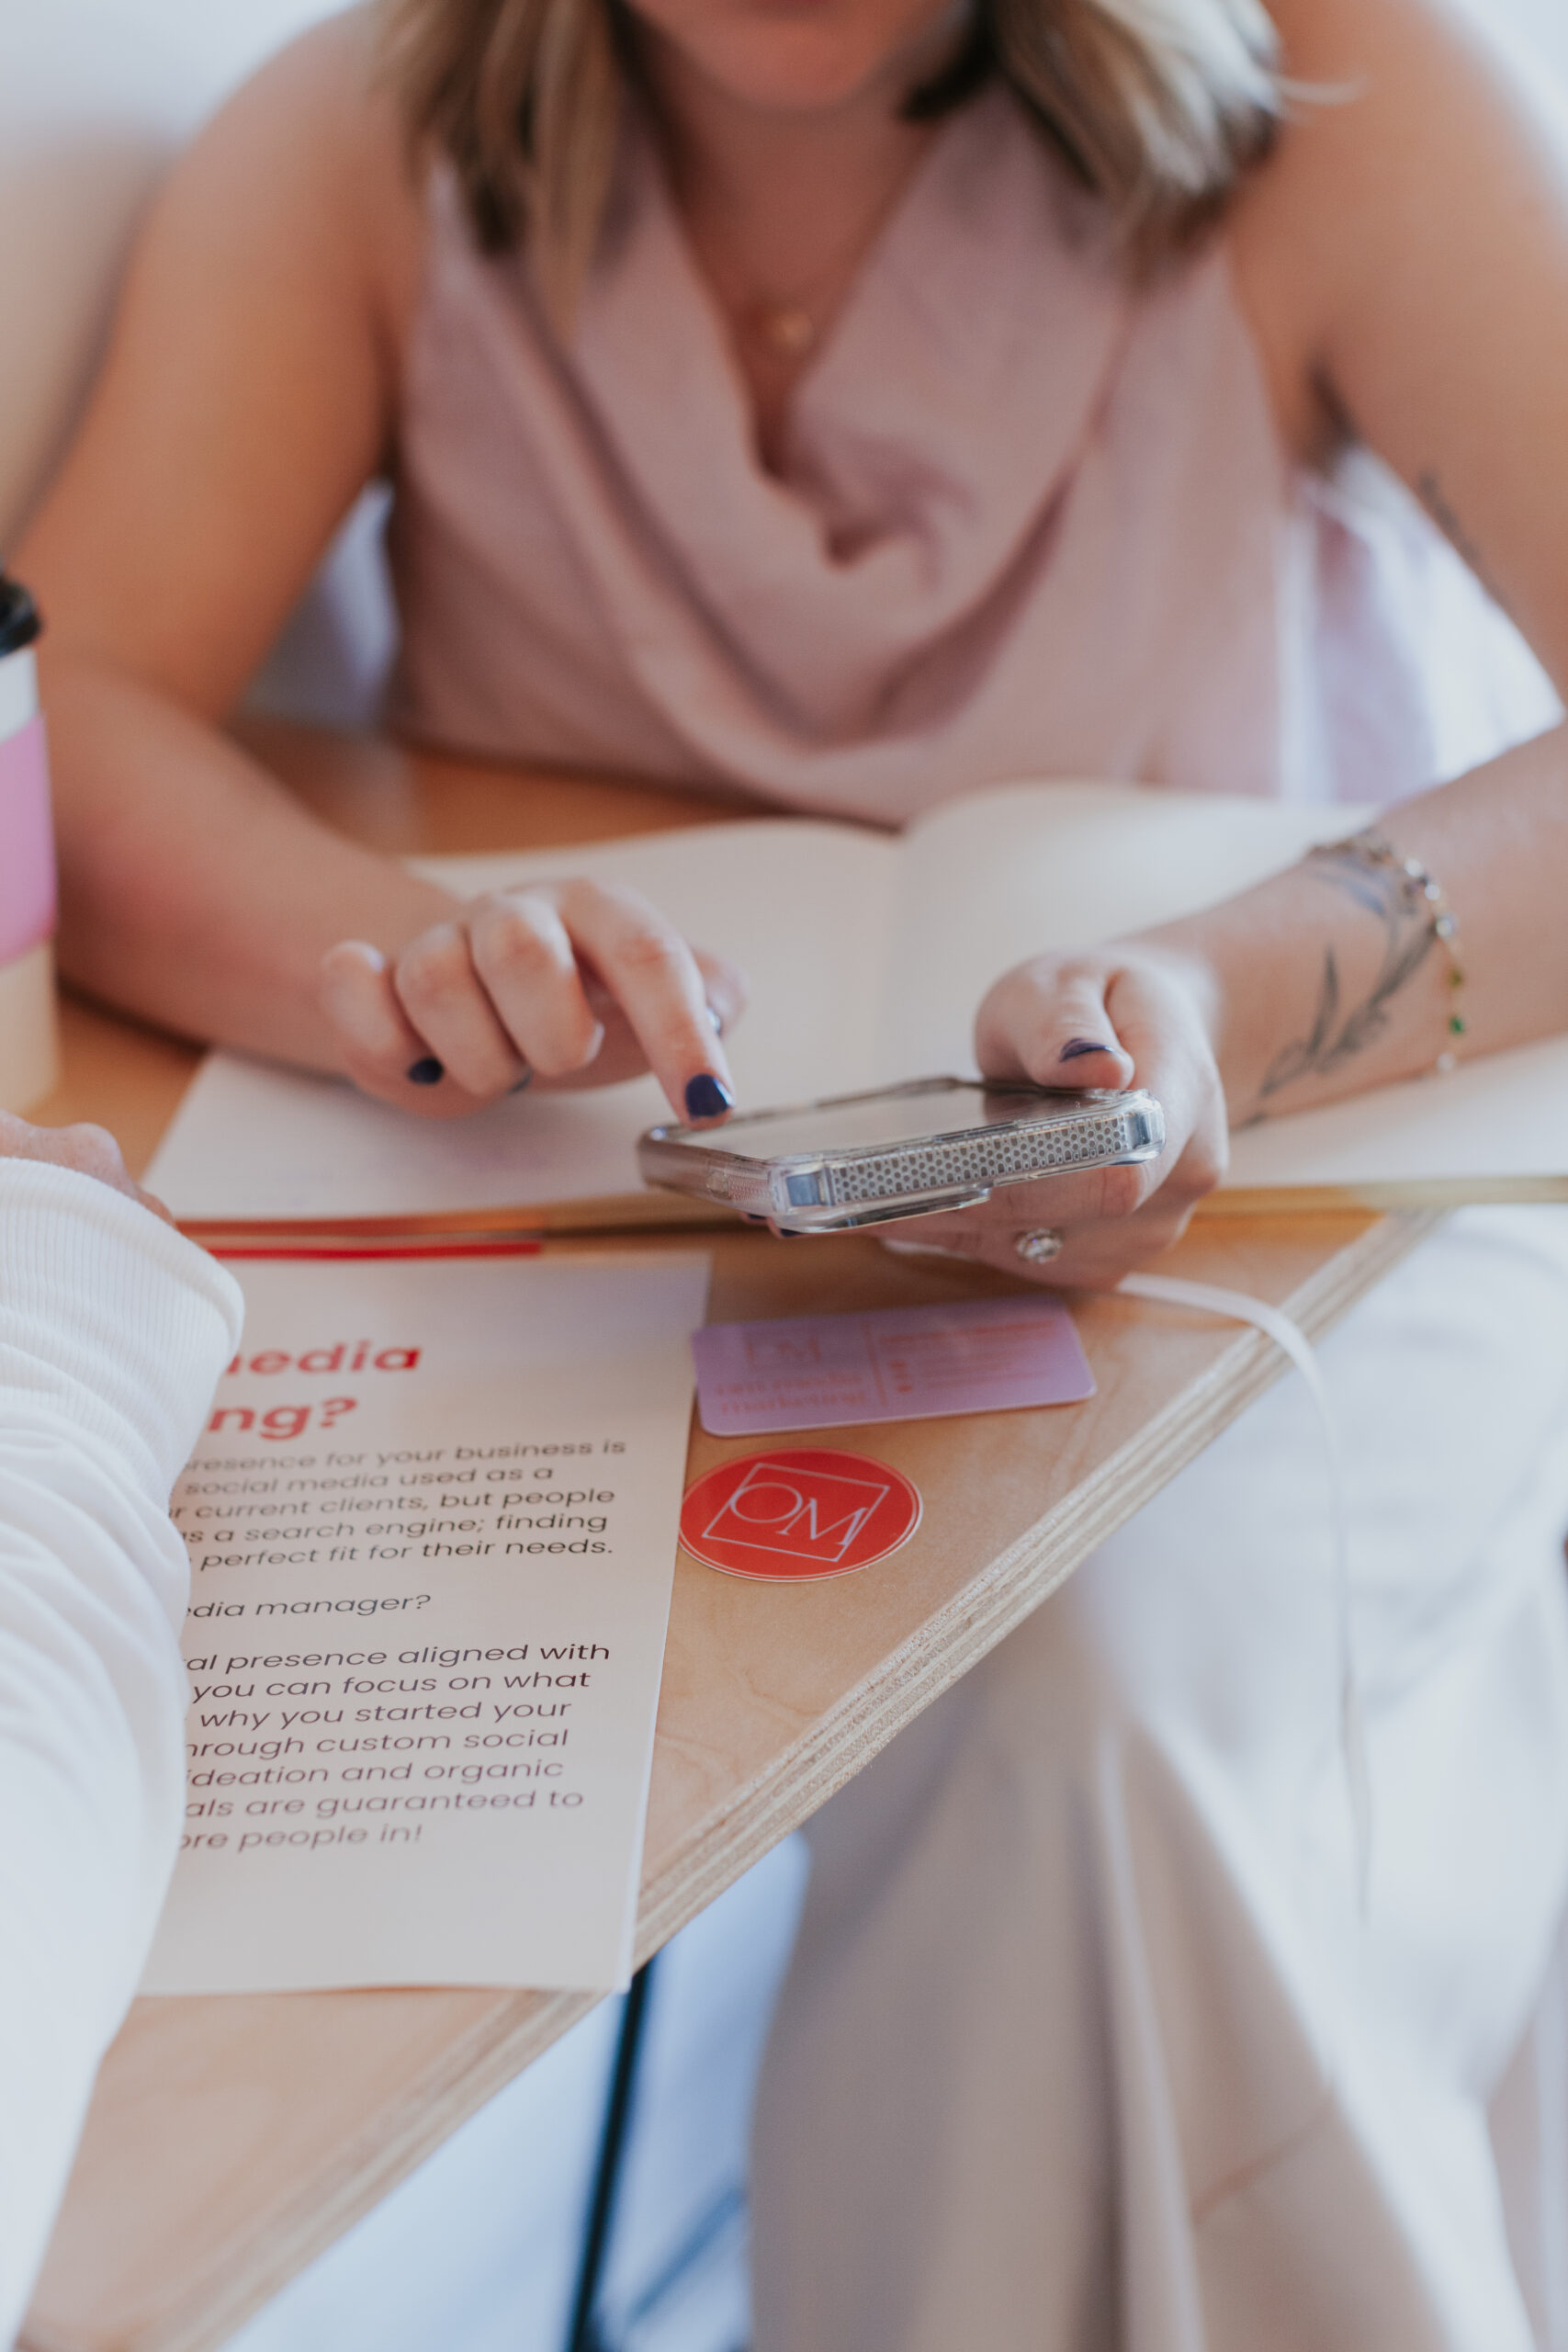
point(799, 1515)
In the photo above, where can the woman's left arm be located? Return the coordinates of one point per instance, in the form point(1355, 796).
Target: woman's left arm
point(1402, 261)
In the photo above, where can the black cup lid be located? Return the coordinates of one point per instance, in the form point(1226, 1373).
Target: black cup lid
point(19, 623)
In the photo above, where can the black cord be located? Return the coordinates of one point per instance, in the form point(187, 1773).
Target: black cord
point(584, 2335)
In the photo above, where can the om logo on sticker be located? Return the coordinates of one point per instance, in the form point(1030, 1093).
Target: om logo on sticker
point(799, 1515)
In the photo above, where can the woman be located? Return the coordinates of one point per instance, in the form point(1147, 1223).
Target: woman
point(855, 401)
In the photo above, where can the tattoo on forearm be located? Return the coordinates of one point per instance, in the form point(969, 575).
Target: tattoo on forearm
point(1434, 498)
point(1337, 1035)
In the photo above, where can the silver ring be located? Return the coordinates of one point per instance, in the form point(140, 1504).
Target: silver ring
point(1038, 1248)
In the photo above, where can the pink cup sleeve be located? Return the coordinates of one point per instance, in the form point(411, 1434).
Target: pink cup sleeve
point(27, 844)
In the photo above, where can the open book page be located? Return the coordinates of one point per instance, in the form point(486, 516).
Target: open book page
point(1495, 1129)
point(431, 1530)
point(253, 1140)
point(808, 909)
point(1006, 874)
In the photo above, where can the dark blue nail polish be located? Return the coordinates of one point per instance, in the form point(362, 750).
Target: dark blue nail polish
point(426, 1071)
point(523, 1083)
point(1079, 1045)
point(707, 1097)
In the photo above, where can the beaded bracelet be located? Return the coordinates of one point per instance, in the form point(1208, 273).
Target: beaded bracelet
point(1424, 893)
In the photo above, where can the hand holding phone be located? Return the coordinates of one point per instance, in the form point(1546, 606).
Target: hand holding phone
point(939, 1144)
point(1146, 1011)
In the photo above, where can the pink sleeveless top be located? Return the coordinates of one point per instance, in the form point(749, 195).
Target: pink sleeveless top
point(1030, 525)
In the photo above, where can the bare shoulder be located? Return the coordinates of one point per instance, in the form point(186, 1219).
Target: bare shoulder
point(307, 167)
point(1416, 143)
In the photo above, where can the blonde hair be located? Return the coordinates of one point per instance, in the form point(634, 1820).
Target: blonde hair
point(1159, 106)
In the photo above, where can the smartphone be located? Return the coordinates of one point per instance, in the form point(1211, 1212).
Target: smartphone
point(938, 1143)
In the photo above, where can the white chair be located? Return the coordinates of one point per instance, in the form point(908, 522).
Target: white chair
point(96, 96)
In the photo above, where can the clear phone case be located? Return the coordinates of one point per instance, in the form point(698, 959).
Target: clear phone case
point(938, 1143)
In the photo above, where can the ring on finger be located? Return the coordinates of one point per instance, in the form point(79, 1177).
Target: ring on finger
point(1040, 1245)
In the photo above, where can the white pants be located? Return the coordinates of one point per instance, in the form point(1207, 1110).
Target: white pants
point(1087, 2042)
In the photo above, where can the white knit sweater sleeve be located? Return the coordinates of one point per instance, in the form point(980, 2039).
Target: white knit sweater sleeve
point(113, 1331)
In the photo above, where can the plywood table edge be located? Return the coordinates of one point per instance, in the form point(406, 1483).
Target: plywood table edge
point(754, 1818)
point(515, 2029)
point(518, 2027)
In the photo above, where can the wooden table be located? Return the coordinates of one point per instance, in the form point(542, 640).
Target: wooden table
point(232, 2139)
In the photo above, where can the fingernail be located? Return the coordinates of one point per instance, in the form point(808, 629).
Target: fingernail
point(707, 1097)
point(716, 1020)
point(363, 951)
point(525, 1080)
point(426, 1071)
point(1078, 1045)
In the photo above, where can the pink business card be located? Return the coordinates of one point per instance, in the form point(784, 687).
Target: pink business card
point(898, 1363)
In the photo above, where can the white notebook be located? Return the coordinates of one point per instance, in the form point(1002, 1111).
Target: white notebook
point(868, 954)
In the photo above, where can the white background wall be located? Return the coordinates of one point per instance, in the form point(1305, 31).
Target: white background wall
point(1544, 22)
point(95, 95)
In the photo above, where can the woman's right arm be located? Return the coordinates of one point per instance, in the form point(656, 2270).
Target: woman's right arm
point(249, 393)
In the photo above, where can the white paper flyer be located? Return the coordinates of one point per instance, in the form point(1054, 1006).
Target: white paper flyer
point(432, 1528)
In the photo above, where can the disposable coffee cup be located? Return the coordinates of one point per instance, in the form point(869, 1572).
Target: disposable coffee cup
point(29, 1049)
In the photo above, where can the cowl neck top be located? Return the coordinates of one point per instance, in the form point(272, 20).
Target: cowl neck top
point(1028, 522)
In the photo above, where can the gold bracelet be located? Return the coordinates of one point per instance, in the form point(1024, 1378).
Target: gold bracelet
point(1425, 893)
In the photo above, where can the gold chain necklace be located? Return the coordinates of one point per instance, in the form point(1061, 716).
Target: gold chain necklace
point(790, 328)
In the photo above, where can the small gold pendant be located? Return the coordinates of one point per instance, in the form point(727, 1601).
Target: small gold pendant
point(788, 331)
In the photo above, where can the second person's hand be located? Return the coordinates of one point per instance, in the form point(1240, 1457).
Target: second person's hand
point(88, 1151)
point(568, 983)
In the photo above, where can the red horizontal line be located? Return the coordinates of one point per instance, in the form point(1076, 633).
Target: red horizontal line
point(417, 1250)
